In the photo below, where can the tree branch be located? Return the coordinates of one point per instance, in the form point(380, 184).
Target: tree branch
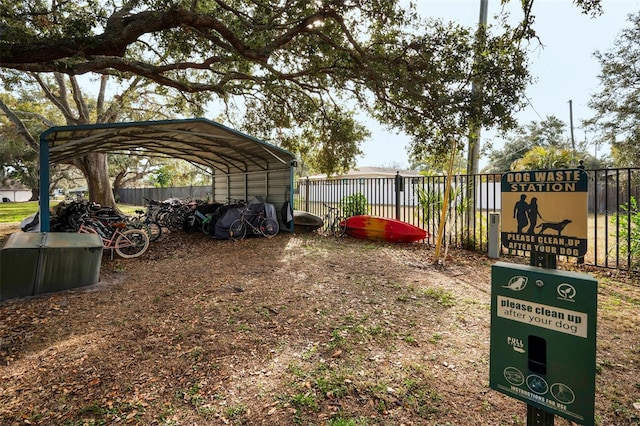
point(20, 127)
point(59, 101)
point(104, 79)
point(121, 31)
point(78, 97)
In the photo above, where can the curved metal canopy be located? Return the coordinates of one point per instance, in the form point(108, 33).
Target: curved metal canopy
point(199, 141)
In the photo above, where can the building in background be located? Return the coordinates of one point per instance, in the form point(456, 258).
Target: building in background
point(14, 192)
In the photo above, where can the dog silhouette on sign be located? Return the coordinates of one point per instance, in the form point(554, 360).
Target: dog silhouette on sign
point(556, 226)
point(516, 283)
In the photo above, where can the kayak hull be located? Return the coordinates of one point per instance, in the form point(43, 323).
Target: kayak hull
point(383, 229)
point(306, 222)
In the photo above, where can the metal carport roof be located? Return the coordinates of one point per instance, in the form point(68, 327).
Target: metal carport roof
point(199, 141)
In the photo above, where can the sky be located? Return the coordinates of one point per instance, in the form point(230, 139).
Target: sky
point(564, 68)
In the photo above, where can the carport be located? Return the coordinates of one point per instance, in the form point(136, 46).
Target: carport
point(241, 166)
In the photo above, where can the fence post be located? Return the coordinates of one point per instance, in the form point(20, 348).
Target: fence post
point(306, 195)
point(398, 189)
point(580, 259)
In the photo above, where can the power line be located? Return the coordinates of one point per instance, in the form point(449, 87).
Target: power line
point(533, 108)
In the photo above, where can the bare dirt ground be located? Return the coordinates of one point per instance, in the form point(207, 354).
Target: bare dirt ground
point(298, 329)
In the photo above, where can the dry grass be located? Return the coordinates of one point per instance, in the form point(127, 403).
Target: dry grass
point(293, 330)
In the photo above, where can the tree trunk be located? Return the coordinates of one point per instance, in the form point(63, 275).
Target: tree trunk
point(95, 169)
point(117, 184)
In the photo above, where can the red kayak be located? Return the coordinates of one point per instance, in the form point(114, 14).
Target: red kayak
point(380, 228)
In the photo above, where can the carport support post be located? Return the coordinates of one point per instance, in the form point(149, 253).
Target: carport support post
point(44, 185)
point(537, 416)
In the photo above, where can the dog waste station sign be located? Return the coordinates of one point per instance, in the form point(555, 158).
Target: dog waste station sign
point(545, 211)
point(543, 321)
point(543, 338)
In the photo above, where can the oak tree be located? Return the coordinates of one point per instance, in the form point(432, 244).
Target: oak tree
point(616, 106)
point(287, 71)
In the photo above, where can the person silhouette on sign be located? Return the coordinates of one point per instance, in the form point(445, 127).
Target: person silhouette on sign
point(533, 214)
point(520, 213)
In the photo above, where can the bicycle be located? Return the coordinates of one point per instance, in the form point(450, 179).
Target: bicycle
point(142, 221)
point(179, 210)
point(334, 223)
point(205, 221)
point(128, 243)
point(157, 211)
point(201, 217)
point(267, 227)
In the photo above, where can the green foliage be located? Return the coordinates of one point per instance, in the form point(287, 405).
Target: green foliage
point(39, 101)
point(235, 411)
point(337, 339)
point(295, 73)
point(539, 158)
point(353, 205)
point(431, 197)
point(549, 132)
point(616, 117)
point(443, 297)
point(628, 231)
point(341, 421)
point(326, 138)
point(435, 165)
point(427, 98)
point(162, 177)
point(459, 214)
point(19, 151)
point(177, 173)
point(541, 145)
point(304, 400)
point(128, 170)
point(545, 133)
point(430, 202)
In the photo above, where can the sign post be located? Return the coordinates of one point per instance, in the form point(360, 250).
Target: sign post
point(543, 340)
point(549, 218)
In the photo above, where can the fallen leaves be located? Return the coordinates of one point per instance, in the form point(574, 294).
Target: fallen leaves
point(292, 329)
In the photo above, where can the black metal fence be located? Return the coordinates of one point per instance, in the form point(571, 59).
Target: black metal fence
point(613, 218)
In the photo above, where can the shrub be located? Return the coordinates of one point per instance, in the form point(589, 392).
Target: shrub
point(629, 230)
point(355, 204)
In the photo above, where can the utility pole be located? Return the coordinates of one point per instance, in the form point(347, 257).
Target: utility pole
point(473, 153)
point(573, 141)
point(475, 118)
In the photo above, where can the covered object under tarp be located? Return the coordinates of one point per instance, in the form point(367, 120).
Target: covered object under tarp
point(241, 166)
point(233, 213)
